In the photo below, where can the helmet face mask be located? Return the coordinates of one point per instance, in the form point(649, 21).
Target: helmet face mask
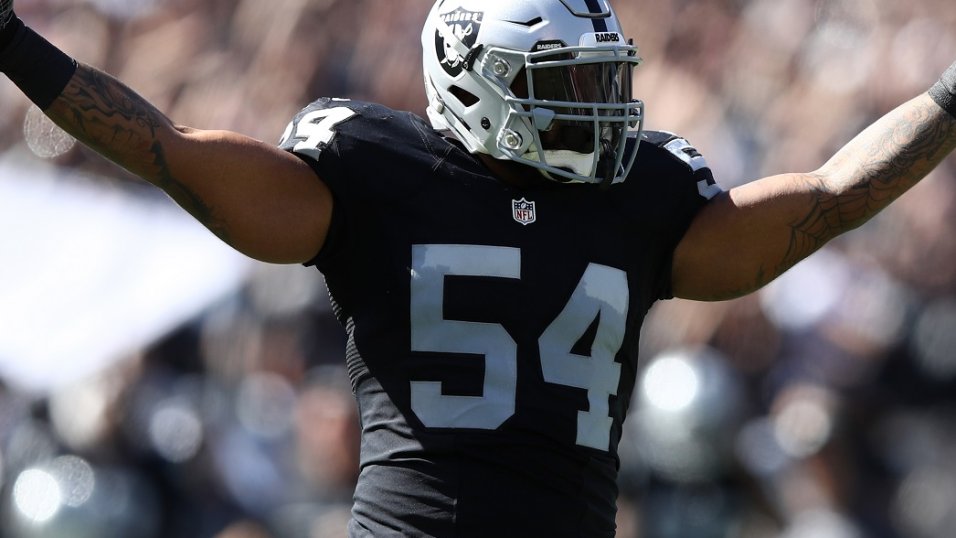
point(518, 91)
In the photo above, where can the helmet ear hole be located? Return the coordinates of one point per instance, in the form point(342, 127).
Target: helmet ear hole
point(467, 98)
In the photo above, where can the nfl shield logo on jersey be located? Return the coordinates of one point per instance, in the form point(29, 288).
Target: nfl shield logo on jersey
point(524, 212)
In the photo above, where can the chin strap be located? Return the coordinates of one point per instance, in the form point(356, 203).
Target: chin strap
point(607, 165)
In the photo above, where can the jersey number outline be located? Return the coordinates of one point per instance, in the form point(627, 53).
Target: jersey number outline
point(316, 129)
point(601, 294)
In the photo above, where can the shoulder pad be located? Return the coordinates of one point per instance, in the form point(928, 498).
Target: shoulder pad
point(678, 147)
point(314, 128)
point(658, 138)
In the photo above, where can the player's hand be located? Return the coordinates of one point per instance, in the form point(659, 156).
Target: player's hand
point(6, 13)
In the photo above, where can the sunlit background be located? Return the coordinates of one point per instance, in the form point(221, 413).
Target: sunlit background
point(155, 384)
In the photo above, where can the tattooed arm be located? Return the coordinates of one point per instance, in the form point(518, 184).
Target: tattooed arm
point(752, 234)
point(259, 199)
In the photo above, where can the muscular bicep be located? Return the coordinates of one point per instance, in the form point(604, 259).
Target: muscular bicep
point(752, 234)
point(264, 202)
point(746, 237)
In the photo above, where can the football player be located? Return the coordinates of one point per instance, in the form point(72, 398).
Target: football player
point(493, 283)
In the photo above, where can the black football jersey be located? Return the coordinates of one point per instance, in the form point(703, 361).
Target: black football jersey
point(492, 331)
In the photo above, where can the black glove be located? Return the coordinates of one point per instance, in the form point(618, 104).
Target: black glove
point(8, 28)
point(6, 13)
point(944, 91)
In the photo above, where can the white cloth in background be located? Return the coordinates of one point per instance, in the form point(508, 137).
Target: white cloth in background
point(89, 274)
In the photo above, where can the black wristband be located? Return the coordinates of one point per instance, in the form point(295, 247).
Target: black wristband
point(38, 68)
point(944, 91)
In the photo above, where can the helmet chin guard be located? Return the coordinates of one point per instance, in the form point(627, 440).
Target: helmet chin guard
point(542, 83)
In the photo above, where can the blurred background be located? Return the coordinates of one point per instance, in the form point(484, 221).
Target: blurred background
point(155, 384)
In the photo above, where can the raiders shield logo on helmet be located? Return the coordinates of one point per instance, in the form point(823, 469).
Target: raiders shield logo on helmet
point(466, 25)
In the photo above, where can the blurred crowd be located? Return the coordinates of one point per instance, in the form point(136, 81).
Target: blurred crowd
point(823, 406)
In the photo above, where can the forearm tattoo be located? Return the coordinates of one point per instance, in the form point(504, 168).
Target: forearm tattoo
point(877, 167)
point(119, 124)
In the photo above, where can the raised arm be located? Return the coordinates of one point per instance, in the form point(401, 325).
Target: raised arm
point(266, 203)
point(262, 201)
point(752, 234)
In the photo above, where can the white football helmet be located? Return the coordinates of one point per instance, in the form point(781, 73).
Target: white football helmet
point(546, 83)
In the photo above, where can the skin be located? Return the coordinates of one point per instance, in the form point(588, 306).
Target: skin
point(264, 202)
point(267, 203)
point(754, 233)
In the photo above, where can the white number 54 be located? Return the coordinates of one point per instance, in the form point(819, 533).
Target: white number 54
point(602, 293)
point(316, 129)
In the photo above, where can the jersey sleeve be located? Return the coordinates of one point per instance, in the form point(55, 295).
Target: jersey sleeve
point(682, 184)
point(351, 146)
point(313, 135)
